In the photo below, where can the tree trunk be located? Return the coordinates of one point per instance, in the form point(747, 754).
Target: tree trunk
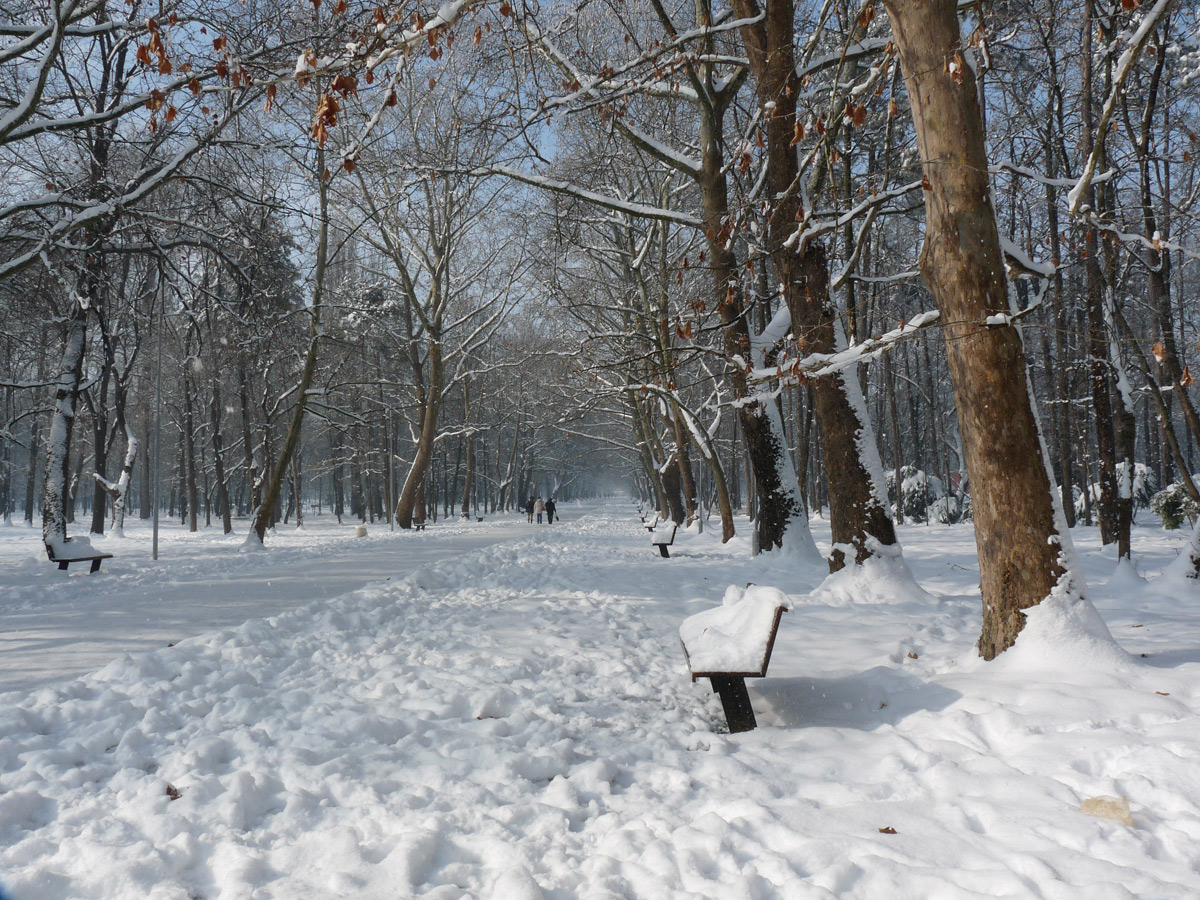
point(671, 485)
point(858, 504)
point(58, 441)
point(425, 438)
point(336, 449)
point(119, 491)
point(1021, 550)
point(266, 510)
point(253, 480)
point(189, 450)
point(219, 458)
point(469, 477)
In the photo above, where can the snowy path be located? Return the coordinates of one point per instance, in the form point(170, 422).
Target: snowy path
point(53, 627)
point(516, 723)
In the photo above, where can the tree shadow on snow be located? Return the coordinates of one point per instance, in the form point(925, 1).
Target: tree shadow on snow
point(879, 696)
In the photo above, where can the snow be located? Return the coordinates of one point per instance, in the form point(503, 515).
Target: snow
point(515, 720)
point(71, 549)
point(735, 636)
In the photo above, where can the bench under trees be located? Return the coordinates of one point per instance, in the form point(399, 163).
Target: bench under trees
point(664, 539)
point(75, 550)
point(733, 642)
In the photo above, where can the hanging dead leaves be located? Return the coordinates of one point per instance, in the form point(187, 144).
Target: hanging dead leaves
point(325, 118)
point(955, 67)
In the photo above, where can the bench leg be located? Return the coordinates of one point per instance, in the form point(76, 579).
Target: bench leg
point(662, 548)
point(95, 566)
point(736, 702)
point(62, 566)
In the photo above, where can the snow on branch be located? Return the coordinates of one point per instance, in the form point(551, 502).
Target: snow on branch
point(816, 365)
point(813, 226)
point(616, 204)
point(1124, 67)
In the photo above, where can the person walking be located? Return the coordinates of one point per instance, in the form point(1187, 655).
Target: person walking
point(538, 508)
point(529, 510)
point(550, 509)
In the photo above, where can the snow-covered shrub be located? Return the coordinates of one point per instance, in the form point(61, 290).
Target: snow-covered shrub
point(1172, 504)
point(919, 495)
point(947, 510)
point(1143, 484)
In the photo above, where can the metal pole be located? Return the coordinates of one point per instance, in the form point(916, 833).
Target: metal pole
point(158, 410)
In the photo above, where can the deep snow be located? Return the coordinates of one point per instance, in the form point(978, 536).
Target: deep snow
point(517, 722)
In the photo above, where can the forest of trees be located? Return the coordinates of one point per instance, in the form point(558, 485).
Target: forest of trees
point(910, 260)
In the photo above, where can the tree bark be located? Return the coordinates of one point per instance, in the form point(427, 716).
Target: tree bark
point(62, 421)
point(189, 449)
point(858, 506)
point(219, 457)
point(425, 438)
point(1021, 552)
point(265, 514)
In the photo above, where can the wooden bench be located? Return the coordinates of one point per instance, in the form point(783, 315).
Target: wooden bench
point(731, 643)
point(76, 550)
point(418, 526)
point(663, 539)
point(652, 525)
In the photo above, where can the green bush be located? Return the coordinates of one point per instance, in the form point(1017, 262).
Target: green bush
point(1172, 504)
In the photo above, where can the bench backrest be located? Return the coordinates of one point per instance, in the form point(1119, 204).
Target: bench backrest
point(664, 537)
point(734, 639)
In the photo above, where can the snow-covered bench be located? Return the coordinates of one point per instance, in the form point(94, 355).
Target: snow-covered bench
point(76, 549)
point(418, 526)
point(663, 540)
point(733, 642)
point(652, 525)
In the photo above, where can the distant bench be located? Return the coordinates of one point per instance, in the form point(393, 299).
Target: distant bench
point(74, 550)
point(418, 526)
point(731, 643)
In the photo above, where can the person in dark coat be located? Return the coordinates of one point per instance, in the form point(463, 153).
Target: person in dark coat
point(550, 507)
point(529, 510)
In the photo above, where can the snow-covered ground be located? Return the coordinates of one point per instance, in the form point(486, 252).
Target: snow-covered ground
point(52, 627)
point(515, 721)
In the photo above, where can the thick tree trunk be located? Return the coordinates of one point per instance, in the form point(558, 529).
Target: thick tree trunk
point(423, 452)
point(858, 504)
point(62, 421)
point(672, 487)
point(1021, 550)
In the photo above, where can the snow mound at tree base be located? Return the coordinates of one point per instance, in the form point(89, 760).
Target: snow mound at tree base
point(1064, 636)
point(883, 578)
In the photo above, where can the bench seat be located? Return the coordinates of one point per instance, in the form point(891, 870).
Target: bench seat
point(72, 550)
point(733, 642)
